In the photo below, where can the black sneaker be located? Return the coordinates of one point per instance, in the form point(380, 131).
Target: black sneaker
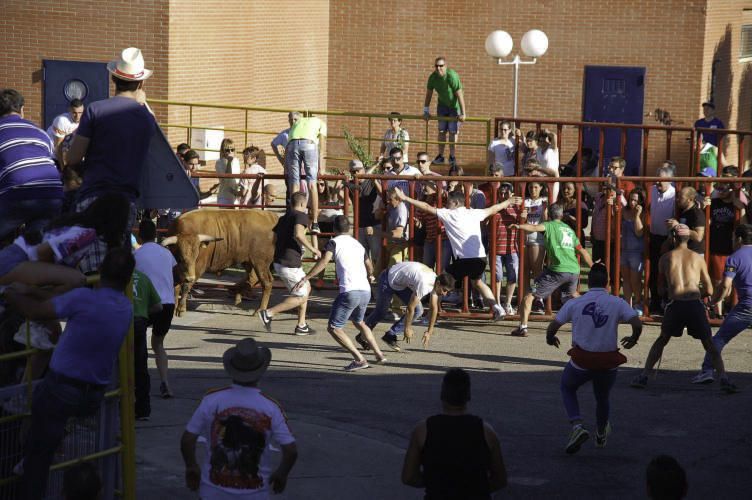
point(304, 330)
point(391, 341)
point(639, 382)
point(728, 387)
point(439, 159)
point(362, 341)
point(265, 319)
point(315, 229)
point(538, 307)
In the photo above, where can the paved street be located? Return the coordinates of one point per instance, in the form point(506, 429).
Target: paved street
point(352, 428)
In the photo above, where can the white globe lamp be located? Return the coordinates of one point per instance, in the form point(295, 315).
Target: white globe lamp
point(534, 43)
point(499, 44)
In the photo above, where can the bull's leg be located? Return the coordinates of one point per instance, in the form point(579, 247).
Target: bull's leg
point(185, 290)
point(246, 284)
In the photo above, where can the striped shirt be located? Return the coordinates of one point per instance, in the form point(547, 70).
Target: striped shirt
point(27, 169)
point(507, 241)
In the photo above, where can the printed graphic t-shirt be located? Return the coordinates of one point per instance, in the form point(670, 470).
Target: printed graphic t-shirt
point(239, 424)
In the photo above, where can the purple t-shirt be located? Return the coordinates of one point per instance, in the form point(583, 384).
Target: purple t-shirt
point(27, 168)
point(97, 322)
point(739, 267)
point(714, 123)
point(119, 130)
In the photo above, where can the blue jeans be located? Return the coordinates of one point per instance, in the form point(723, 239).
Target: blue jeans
point(383, 301)
point(738, 319)
point(603, 381)
point(429, 254)
point(347, 303)
point(34, 213)
point(53, 403)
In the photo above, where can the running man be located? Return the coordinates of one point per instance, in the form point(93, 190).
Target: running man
point(737, 274)
point(679, 272)
point(353, 271)
point(595, 356)
point(462, 226)
point(411, 282)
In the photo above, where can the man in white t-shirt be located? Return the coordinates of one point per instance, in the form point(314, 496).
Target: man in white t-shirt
point(279, 143)
point(501, 151)
point(354, 269)
point(240, 425)
point(595, 318)
point(159, 265)
point(462, 226)
point(411, 282)
point(67, 123)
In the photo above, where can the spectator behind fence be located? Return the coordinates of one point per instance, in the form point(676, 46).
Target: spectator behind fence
point(82, 482)
point(454, 454)
point(616, 169)
point(693, 217)
point(401, 168)
point(241, 426)
point(430, 223)
point(250, 189)
point(507, 248)
point(633, 249)
point(279, 143)
point(181, 149)
point(66, 124)
point(395, 136)
point(397, 228)
point(501, 150)
point(112, 141)
point(229, 188)
point(602, 204)
point(97, 321)
point(30, 189)
point(369, 227)
point(661, 209)
point(547, 154)
point(535, 212)
point(568, 201)
point(665, 479)
point(451, 104)
point(488, 188)
point(191, 161)
point(709, 120)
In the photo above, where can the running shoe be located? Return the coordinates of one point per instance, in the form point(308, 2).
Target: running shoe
point(391, 341)
point(704, 377)
point(304, 330)
point(638, 309)
point(519, 332)
point(509, 310)
point(357, 365)
point(315, 229)
point(578, 436)
point(600, 439)
point(728, 387)
point(538, 307)
point(265, 319)
point(360, 339)
point(381, 361)
point(439, 159)
point(639, 382)
point(498, 312)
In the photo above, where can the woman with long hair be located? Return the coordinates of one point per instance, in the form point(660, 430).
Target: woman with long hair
point(632, 248)
point(229, 188)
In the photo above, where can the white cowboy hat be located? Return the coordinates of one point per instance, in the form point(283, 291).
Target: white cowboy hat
point(247, 361)
point(130, 66)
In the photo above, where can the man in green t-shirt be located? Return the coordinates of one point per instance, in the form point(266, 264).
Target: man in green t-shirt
point(146, 301)
point(563, 270)
point(446, 83)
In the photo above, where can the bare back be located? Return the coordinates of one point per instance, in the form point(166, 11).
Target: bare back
point(684, 270)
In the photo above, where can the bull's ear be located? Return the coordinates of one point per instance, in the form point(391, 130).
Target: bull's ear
point(170, 240)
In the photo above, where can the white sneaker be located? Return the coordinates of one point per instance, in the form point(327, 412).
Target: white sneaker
point(498, 312)
point(704, 377)
point(509, 309)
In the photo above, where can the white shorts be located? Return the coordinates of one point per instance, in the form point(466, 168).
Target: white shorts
point(290, 276)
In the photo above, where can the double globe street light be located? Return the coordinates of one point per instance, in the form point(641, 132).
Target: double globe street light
point(499, 45)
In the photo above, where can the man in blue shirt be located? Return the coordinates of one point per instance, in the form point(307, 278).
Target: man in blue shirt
point(737, 274)
point(709, 120)
point(97, 321)
point(30, 187)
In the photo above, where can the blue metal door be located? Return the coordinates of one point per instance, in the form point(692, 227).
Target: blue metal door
point(614, 94)
point(68, 80)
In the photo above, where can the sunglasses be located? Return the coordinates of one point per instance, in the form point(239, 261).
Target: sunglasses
point(422, 161)
point(229, 150)
point(440, 65)
point(396, 158)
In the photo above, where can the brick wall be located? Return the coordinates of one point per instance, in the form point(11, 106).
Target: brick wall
point(65, 30)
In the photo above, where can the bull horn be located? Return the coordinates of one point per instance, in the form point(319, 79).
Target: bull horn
point(170, 240)
point(205, 238)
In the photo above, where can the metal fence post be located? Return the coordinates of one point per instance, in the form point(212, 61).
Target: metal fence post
point(127, 415)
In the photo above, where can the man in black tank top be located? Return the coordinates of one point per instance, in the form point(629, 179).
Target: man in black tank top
point(454, 455)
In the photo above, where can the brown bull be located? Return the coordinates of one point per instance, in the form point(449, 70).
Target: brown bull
point(214, 239)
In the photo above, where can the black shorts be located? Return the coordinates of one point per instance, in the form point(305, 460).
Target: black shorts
point(161, 321)
point(689, 314)
point(472, 268)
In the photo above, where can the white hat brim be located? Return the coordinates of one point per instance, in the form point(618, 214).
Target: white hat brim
point(112, 68)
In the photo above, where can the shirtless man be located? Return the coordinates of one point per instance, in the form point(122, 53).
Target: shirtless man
point(679, 273)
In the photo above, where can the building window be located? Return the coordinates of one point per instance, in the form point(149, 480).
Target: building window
point(746, 45)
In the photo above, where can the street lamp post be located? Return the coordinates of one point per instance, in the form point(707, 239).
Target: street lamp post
point(499, 44)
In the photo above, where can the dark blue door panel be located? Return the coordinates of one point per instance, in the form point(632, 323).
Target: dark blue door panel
point(614, 94)
point(67, 80)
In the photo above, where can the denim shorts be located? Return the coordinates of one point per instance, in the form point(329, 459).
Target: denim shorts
point(451, 127)
point(347, 303)
point(301, 157)
point(633, 260)
point(507, 266)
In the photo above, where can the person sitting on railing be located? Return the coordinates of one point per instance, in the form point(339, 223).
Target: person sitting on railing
point(229, 187)
point(534, 212)
point(633, 249)
point(279, 143)
point(251, 188)
point(501, 151)
point(304, 160)
point(395, 136)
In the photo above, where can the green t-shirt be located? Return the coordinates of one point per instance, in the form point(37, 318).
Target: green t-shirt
point(446, 88)
point(560, 244)
point(310, 128)
point(709, 158)
point(144, 295)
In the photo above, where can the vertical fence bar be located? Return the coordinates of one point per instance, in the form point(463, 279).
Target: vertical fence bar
point(740, 150)
point(646, 253)
point(523, 282)
point(601, 155)
point(669, 135)
point(623, 142)
point(245, 137)
point(127, 415)
point(411, 222)
point(616, 258)
point(369, 135)
point(607, 241)
point(645, 141)
point(190, 124)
